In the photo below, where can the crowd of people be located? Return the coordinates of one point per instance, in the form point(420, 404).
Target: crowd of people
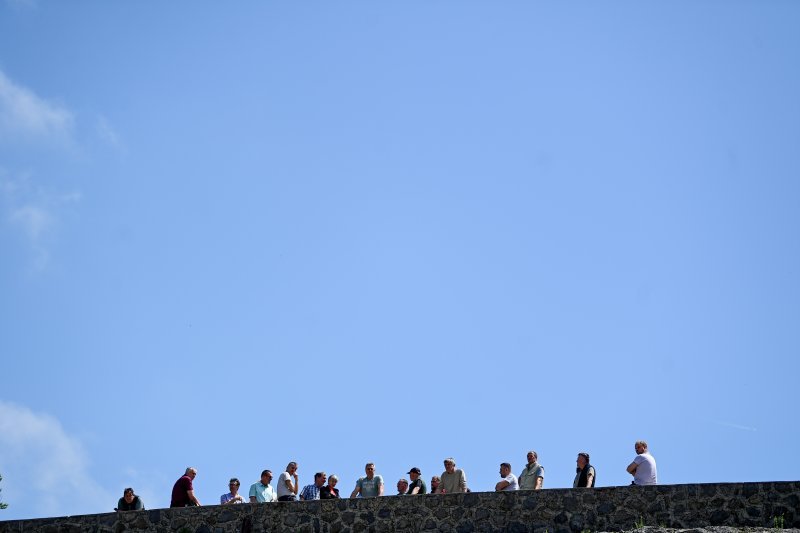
point(452, 480)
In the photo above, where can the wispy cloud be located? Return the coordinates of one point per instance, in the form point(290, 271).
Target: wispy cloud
point(106, 132)
point(29, 121)
point(34, 211)
point(735, 426)
point(45, 470)
point(24, 115)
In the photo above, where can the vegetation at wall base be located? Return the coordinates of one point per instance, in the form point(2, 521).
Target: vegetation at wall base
point(2, 505)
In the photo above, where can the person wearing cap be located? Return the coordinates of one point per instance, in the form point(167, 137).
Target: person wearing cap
point(453, 479)
point(417, 485)
point(233, 496)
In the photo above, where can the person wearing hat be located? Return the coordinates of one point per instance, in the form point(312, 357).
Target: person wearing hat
point(417, 485)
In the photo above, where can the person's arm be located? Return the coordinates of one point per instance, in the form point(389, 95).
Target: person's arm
point(295, 484)
point(501, 485)
point(462, 482)
point(539, 481)
point(192, 498)
point(380, 488)
point(589, 477)
point(632, 468)
point(416, 489)
point(356, 490)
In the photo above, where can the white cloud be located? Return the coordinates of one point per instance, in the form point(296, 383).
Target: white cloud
point(34, 211)
point(34, 220)
point(45, 470)
point(735, 426)
point(24, 115)
point(107, 133)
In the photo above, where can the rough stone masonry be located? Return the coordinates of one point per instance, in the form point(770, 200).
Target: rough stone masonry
point(740, 505)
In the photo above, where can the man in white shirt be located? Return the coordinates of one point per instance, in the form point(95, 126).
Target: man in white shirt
point(509, 481)
point(287, 484)
point(643, 467)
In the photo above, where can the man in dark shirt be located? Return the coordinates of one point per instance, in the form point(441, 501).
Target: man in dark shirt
point(417, 485)
point(129, 501)
point(183, 490)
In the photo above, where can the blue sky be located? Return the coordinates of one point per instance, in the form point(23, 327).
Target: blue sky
point(340, 232)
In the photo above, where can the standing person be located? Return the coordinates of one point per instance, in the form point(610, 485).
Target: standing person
point(643, 467)
point(261, 491)
point(329, 491)
point(129, 501)
point(532, 476)
point(509, 481)
point(402, 486)
point(417, 485)
point(233, 496)
point(183, 490)
point(370, 485)
point(435, 480)
point(584, 473)
point(453, 479)
point(287, 489)
point(312, 492)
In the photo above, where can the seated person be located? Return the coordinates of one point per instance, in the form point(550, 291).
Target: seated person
point(129, 501)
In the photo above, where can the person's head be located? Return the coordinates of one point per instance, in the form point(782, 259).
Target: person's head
point(505, 469)
point(449, 465)
point(291, 468)
point(128, 495)
point(233, 485)
point(583, 460)
point(369, 468)
point(435, 482)
point(191, 472)
point(640, 446)
point(414, 473)
point(320, 478)
point(266, 477)
point(333, 480)
point(402, 485)
point(532, 457)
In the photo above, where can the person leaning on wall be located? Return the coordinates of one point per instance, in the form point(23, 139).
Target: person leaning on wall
point(183, 490)
point(129, 501)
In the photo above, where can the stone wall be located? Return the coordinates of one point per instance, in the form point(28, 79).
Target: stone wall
point(552, 510)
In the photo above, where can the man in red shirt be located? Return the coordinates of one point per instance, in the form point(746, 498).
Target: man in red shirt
point(183, 491)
